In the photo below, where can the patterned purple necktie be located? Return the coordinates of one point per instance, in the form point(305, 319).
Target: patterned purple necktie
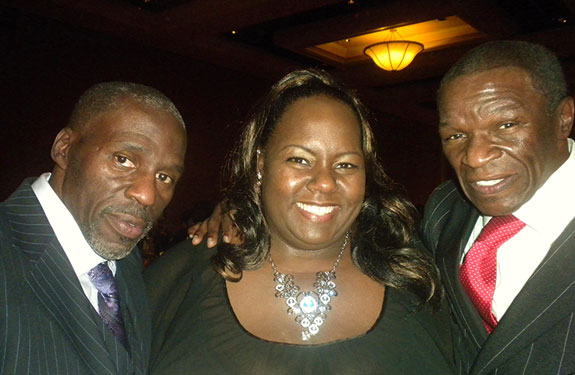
point(109, 301)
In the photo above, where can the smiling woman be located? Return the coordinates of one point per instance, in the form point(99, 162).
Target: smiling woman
point(313, 203)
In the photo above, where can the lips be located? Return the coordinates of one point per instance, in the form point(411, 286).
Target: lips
point(317, 213)
point(316, 210)
point(491, 185)
point(489, 182)
point(127, 225)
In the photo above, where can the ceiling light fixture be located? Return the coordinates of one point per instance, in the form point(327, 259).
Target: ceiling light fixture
point(394, 53)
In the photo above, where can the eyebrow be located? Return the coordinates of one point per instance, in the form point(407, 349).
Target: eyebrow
point(178, 168)
point(131, 146)
point(311, 152)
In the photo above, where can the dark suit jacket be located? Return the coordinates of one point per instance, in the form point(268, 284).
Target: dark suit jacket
point(537, 333)
point(47, 325)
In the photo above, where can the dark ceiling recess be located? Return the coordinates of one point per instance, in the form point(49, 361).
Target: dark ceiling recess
point(262, 35)
point(155, 5)
point(538, 15)
point(273, 37)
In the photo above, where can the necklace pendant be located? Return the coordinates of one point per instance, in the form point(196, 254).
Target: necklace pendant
point(309, 307)
point(309, 303)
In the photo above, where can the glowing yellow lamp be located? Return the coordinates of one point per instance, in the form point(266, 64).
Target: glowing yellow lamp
point(393, 54)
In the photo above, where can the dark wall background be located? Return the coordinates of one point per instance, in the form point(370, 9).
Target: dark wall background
point(45, 66)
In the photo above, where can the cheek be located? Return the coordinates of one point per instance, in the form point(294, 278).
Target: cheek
point(355, 189)
point(283, 182)
point(164, 198)
point(452, 156)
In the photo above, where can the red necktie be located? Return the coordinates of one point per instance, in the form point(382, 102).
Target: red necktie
point(479, 270)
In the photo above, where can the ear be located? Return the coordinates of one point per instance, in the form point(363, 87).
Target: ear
point(565, 116)
point(61, 148)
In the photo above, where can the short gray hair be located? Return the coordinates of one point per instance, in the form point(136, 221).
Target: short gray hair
point(108, 96)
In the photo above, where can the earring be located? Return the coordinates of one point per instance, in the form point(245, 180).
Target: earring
point(259, 177)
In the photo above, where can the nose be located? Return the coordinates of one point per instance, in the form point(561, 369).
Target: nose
point(479, 151)
point(143, 190)
point(323, 179)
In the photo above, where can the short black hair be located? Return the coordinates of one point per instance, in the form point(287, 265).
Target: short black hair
point(540, 63)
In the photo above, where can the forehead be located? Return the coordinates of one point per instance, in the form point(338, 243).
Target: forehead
point(499, 85)
point(503, 79)
point(317, 117)
point(137, 124)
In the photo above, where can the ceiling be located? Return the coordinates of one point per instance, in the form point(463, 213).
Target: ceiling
point(268, 38)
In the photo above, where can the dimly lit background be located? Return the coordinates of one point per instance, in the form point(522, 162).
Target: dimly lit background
point(215, 58)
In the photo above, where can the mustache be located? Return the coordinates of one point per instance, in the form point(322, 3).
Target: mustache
point(138, 211)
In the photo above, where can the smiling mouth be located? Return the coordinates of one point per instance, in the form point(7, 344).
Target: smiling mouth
point(492, 186)
point(316, 210)
point(489, 182)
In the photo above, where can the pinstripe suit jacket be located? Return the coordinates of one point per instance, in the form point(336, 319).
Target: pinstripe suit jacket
point(537, 333)
point(47, 325)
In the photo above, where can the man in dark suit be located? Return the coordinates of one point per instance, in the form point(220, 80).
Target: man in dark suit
point(72, 298)
point(505, 119)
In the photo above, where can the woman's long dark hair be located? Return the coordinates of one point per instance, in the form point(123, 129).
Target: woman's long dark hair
point(382, 236)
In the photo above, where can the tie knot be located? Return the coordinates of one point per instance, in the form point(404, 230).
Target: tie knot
point(503, 227)
point(103, 279)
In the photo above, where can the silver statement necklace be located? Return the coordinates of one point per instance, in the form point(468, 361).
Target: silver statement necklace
point(309, 307)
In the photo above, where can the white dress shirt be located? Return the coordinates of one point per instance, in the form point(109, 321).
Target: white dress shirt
point(546, 215)
point(79, 253)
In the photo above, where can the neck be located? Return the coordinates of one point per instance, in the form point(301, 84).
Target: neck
point(294, 260)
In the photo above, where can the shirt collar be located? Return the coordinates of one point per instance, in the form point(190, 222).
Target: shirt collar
point(551, 208)
point(77, 249)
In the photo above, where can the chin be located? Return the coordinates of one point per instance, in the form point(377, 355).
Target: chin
point(496, 210)
point(113, 254)
point(112, 251)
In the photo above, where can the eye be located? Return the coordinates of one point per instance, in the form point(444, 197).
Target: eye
point(164, 178)
point(345, 165)
point(454, 137)
point(507, 125)
point(298, 160)
point(124, 161)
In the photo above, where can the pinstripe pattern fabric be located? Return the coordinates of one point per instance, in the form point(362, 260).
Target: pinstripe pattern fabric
point(47, 325)
point(537, 333)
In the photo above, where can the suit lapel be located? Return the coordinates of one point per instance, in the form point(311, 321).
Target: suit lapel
point(51, 278)
point(454, 237)
point(546, 298)
point(135, 308)
point(55, 284)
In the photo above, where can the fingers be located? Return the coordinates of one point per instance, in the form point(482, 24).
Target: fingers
point(213, 227)
point(197, 232)
point(230, 230)
point(222, 220)
point(208, 228)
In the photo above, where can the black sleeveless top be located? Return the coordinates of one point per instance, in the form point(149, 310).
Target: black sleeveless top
point(196, 331)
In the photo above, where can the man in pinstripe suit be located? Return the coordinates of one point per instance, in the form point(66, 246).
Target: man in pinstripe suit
point(116, 165)
point(505, 120)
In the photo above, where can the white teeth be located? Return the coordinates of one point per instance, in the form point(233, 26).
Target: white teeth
point(316, 210)
point(489, 182)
